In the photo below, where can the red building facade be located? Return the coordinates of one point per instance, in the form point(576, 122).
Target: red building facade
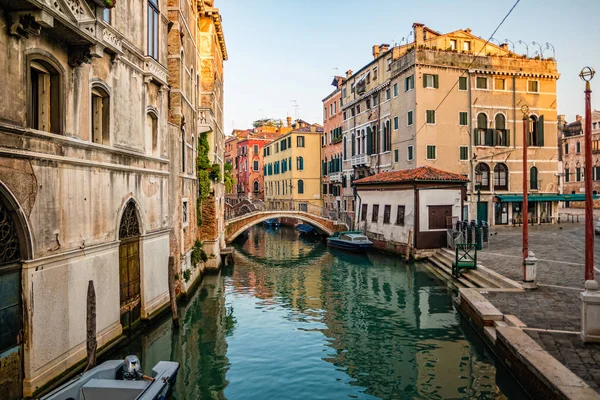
point(332, 150)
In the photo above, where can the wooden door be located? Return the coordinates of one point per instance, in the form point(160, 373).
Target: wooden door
point(129, 267)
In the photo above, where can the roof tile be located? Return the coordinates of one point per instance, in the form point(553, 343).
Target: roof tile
point(425, 173)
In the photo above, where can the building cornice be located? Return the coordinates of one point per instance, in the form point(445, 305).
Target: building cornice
point(213, 13)
point(367, 94)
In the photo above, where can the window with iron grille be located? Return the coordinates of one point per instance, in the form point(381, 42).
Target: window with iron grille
point(387, 210)
point(375, 215)
point(400, 216)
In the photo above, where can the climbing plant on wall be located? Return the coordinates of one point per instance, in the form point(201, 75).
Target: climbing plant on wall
point(206, 173)
point(229, 180)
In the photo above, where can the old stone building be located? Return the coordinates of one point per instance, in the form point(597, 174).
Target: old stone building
point(454, 102)
point(98, 147)
point(572, 146)
point(331, 149)
point(196, 49)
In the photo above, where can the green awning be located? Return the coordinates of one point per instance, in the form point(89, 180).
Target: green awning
point(543, 197)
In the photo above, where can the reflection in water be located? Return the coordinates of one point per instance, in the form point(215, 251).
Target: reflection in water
point(294, 320)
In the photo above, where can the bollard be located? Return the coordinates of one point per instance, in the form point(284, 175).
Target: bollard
point(530, 272)
point(590, 313)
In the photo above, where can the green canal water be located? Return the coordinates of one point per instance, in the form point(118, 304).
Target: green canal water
point(295, 320)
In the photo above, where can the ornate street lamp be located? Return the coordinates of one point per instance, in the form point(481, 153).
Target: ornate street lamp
point(526, 47)
point(512, 43)
point(541, 50)
point(548, 46)
point(525, 207)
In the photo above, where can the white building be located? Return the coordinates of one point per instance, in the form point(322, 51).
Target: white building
point(423, 200)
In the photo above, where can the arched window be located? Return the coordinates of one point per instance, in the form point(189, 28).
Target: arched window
point(502, 134)
point(100, 115)
point(183, 144)
point(533, 178)
point(483, 136)
point(484, 169)
point(300, 186)
point(300, 163)
point(45, 95)
point(500, 177)
point(536, 130)
point(152, 131)
point(353, 153)
point(256, 187)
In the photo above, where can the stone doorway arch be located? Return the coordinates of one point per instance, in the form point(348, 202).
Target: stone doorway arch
point(129, 266)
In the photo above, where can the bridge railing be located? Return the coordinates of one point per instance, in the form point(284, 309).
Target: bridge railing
point(246, 207)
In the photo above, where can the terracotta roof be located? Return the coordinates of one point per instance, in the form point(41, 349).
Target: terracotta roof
point(425, 174)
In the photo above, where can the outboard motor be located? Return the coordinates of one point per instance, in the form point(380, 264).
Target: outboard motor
point(132, 370)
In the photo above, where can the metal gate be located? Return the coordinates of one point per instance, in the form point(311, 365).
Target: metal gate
point(11, 321)
point(129, 266)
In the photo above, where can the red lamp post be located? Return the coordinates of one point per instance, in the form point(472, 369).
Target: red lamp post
point(525, 210)
point(587, 73)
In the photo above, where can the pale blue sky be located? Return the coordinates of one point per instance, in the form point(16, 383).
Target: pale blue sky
point(284, 50)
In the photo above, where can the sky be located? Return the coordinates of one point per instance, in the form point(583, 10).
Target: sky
point(283, 54)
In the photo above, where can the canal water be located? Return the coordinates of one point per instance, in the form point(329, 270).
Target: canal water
point(295, 320)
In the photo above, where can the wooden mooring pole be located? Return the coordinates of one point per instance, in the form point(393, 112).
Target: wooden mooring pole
point(172, 294)
point(91, 343)
point(408, 245)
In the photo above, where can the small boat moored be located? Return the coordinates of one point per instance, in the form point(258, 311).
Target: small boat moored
point(119, 380)
point(307, 230)
point(350, 241)
point(272, 223)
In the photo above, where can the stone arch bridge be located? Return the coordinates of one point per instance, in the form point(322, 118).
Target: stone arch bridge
point(246, 214)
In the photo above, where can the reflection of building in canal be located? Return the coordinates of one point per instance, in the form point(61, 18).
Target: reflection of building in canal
point(365, 307)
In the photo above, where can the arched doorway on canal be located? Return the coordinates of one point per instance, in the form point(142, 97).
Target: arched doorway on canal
point(129, 266)
point(14, 248)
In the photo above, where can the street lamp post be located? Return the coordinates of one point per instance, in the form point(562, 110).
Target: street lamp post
point(525, 210)
point(587, 74)
point(590, 298)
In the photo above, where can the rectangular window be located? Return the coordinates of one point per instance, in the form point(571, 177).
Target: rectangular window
point(375, 73)
point(481, 83)
point(368, 102)
point(375, 100)
point(363, 212)
point(464, 153)
point(345, 117)
point(396, 122)
point(358, 109)
point(255, 148)
point(533, 86)
point(578, 148)
point(453, 44)
point(566, 174)
point(300, 141)
point(106, 15)
point(499, 84)
point(324, 188)
point(255, 165)
point(409, 118)
point(389, 63)
point(462, 83)
point(431, 152)
point(410, 152)
point(466, 46)
point(395, 90)
point(153, 28)
point(463, 118)
point(184, 213)
point(409, 83)
point(387, 210)
point(400, 216)
point(387, 94)
point(430, 81)
point(396, 155)
point(375, 215)
point(344, 92)
point(431, 116)
point(566, 148)
point(578, 174)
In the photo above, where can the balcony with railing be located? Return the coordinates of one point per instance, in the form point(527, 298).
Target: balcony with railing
point(361, 160)
point(335, 177)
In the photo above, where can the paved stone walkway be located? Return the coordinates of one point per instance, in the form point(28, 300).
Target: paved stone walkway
point(554, 309)
point(559, 247)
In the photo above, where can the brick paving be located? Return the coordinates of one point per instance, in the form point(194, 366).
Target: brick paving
point(554, 309)
point(559, 248)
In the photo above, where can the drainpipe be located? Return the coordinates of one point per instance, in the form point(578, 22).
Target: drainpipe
point(514, 112)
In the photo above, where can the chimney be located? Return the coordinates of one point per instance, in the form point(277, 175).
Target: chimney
point(578, 118)
point(289, 122)
point(340, 82)
point(376, 51)
point(384, 47)
point(348, 73)
point(468, 30)
point(504, 46)
point(418, 33)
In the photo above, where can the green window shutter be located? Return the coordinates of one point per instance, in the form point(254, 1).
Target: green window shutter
point(507, 135)
point(425, 80)
point(435, 81)
point(396, 155)
point(369, 141)
point(540, 129)
point(475, 137)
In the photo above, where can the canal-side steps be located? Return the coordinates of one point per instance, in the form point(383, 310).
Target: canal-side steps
point(481, 277)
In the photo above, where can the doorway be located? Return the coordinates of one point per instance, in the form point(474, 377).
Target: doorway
point(11, 320)
point(501, 213)
point(482, 211)
point(129, 266)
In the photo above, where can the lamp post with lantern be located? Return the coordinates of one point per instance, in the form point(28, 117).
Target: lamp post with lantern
point(478, 180)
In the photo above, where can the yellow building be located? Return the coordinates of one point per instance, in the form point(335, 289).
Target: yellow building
point(453, 102)
point(291, 170)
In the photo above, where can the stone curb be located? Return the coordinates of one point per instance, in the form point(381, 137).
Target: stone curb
point(535, 369)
